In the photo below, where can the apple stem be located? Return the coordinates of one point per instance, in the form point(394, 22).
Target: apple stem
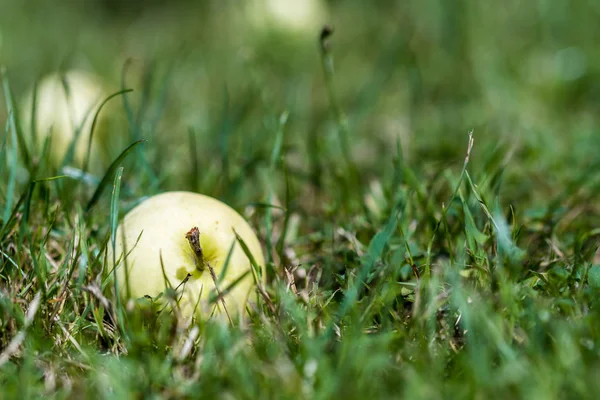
point(193, 237)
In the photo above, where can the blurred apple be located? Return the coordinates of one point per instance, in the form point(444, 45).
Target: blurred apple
point(65, 103)
point(288, 16)
point(154, 238)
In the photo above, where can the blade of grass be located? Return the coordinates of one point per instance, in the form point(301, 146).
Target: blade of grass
point(12, 219)
point(33, 120)
point(374, 253)
point(286, 220)
point(114, 222)
point(328, 71)
point(40, 268)
point(445, 210)
point(24, 226)
point(29, 194)
point(134, 122)
point(215, 297)
point(275, 155)
point(255, 267)
point(77, 128)
point(256, 273)
point(45, 156)
point(474, 235)
point(105, 182)
point(266, 205)
point(227, 261)
point(353, 177)
point(4, 140)
point(13, 262)
point(12, 165)
point(15, 126)
point(114, 207)
point(84, 264)
point(95, 121)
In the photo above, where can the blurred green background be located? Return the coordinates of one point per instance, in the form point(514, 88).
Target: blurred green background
point(521, 75)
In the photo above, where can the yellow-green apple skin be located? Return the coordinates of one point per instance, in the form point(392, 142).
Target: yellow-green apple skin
point(60, 113)
point(155, 231)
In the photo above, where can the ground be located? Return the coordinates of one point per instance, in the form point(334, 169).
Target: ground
point(423, 177)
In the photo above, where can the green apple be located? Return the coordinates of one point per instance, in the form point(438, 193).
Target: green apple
point(61, 114)
point(155, 250)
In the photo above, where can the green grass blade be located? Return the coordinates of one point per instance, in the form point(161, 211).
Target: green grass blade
point(84, 264)
point(114, 222)
point(27, 206)
point(214, 297)
point(12, 170)
point(95, 121)
point(266, 206)
point(353, 176)
point(278, 143)
point(105, 182)
point(275, 156)
point(33, 120)
point(226, 263)
point(40, 269)
point(286, 220)
point(474, 235)
point(3, 147)
point(12, 219)
point(15, 125)
point(114, 207)
point(256, 271)
point(50, 178)
point(445, 211)
point(134, 121)
point(374, 253)
point(13, 263)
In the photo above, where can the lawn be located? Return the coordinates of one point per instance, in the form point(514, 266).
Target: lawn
point(423, 176)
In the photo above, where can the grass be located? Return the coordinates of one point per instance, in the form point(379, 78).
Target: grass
point(405, 257)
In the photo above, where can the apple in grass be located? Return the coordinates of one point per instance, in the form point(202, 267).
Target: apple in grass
point(65, 102)
point(300, 17)
point(183, 240)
